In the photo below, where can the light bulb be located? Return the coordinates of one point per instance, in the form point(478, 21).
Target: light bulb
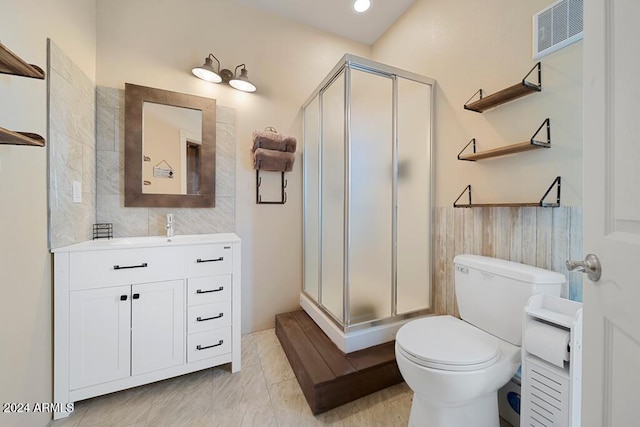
point(361, 5)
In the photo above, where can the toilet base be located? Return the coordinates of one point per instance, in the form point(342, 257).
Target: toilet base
point(482, 412)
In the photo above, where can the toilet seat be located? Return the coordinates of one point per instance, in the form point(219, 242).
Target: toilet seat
point(447, 343)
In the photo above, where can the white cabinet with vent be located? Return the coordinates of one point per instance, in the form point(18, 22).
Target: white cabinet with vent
point(551, 381)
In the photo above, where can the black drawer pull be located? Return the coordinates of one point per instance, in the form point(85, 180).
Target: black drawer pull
point(199, 347)
point(124, 267)
point(123, 297)
point(200, 319)
point(200, 291)
point(136, 296)
point(199, 260)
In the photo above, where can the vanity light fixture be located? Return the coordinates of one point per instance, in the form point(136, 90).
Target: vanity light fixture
point(361, 5)
point(241, 82)
point(216, 75)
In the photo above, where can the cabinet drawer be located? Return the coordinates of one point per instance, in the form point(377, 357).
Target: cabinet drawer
point(205, 290)
point(95, 269)
point(209, 316)
point(207, 260)
point(208, 344)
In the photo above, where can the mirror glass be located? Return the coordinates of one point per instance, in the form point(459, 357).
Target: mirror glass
point(169, 148)
point(171, 143)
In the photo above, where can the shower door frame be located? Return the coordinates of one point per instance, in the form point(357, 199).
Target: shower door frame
point(345, 65)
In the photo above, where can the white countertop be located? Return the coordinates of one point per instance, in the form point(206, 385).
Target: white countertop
point(149, 242)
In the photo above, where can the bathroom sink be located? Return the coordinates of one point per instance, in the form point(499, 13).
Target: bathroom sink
point(149, 241)
point(136, 240)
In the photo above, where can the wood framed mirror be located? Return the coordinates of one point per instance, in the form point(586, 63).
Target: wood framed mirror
point(170, 149)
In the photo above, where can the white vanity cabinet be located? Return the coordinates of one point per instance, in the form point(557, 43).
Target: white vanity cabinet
point(132, 311)
point(99, 336)
point(120, 331)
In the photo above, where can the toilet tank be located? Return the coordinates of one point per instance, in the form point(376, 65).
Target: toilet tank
point(491, 292)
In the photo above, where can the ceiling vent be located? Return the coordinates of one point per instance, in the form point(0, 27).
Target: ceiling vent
point(557, 26)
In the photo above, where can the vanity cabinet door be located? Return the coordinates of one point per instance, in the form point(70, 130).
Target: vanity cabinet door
point(99, 336)
point(157, 326)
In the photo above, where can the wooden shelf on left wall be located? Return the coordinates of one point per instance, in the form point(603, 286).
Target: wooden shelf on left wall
point(10, 63)
point(20, 138)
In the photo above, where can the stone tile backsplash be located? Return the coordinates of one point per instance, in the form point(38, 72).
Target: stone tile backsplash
point(151, 221)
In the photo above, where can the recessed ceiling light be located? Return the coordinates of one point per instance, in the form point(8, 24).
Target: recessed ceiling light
point(361, 5)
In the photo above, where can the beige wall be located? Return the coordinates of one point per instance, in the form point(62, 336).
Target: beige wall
point(157, 43)
point(25, 266)
point(467, 45)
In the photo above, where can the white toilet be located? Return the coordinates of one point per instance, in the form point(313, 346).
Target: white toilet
point(455, 367)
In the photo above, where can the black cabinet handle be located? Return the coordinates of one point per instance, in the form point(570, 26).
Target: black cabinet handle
point(200, 291)
point(124, 267)
point(199, 260)
point(123, 297)
point(199, 347)
point(200, 319)
point(135, 296)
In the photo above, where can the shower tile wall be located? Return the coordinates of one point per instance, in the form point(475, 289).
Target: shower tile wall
point(151, 221)
point(71, 146)
point(543, 237)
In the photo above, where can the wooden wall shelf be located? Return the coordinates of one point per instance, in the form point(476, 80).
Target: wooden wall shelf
point(509, 94)
point(10, 63)
point(541, 203)
point(20, 138)
point(532, 144)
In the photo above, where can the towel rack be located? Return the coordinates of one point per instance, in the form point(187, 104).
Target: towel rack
point(283, 181)
point(283, 185)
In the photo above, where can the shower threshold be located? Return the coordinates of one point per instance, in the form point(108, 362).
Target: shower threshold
point(328, 377)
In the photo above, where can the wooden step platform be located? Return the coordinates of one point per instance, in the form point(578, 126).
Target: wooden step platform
point(328, 377)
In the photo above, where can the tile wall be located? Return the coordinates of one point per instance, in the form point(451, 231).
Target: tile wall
point(71, 146)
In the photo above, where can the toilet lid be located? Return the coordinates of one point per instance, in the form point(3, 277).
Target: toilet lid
point(448, 343)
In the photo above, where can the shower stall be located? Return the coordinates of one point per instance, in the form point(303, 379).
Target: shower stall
point(367, 202)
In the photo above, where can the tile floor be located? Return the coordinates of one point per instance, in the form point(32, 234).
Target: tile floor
point(264, 393)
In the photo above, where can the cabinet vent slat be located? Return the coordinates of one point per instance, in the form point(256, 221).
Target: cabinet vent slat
point(546, 395)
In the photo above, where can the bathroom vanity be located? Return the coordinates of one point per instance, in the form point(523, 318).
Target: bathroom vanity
point(131, 311)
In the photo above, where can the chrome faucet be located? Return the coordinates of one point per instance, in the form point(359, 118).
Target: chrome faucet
point(169, 225)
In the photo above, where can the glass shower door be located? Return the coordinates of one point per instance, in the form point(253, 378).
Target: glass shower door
point(370, 234)
point(332, 201)
point(311, 158)
point(414, 199)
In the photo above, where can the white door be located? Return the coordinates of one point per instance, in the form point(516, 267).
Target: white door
point(99, 336)
point(157, 326)
point(611, 352)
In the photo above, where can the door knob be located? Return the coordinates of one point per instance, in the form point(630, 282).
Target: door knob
point(590, 265)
